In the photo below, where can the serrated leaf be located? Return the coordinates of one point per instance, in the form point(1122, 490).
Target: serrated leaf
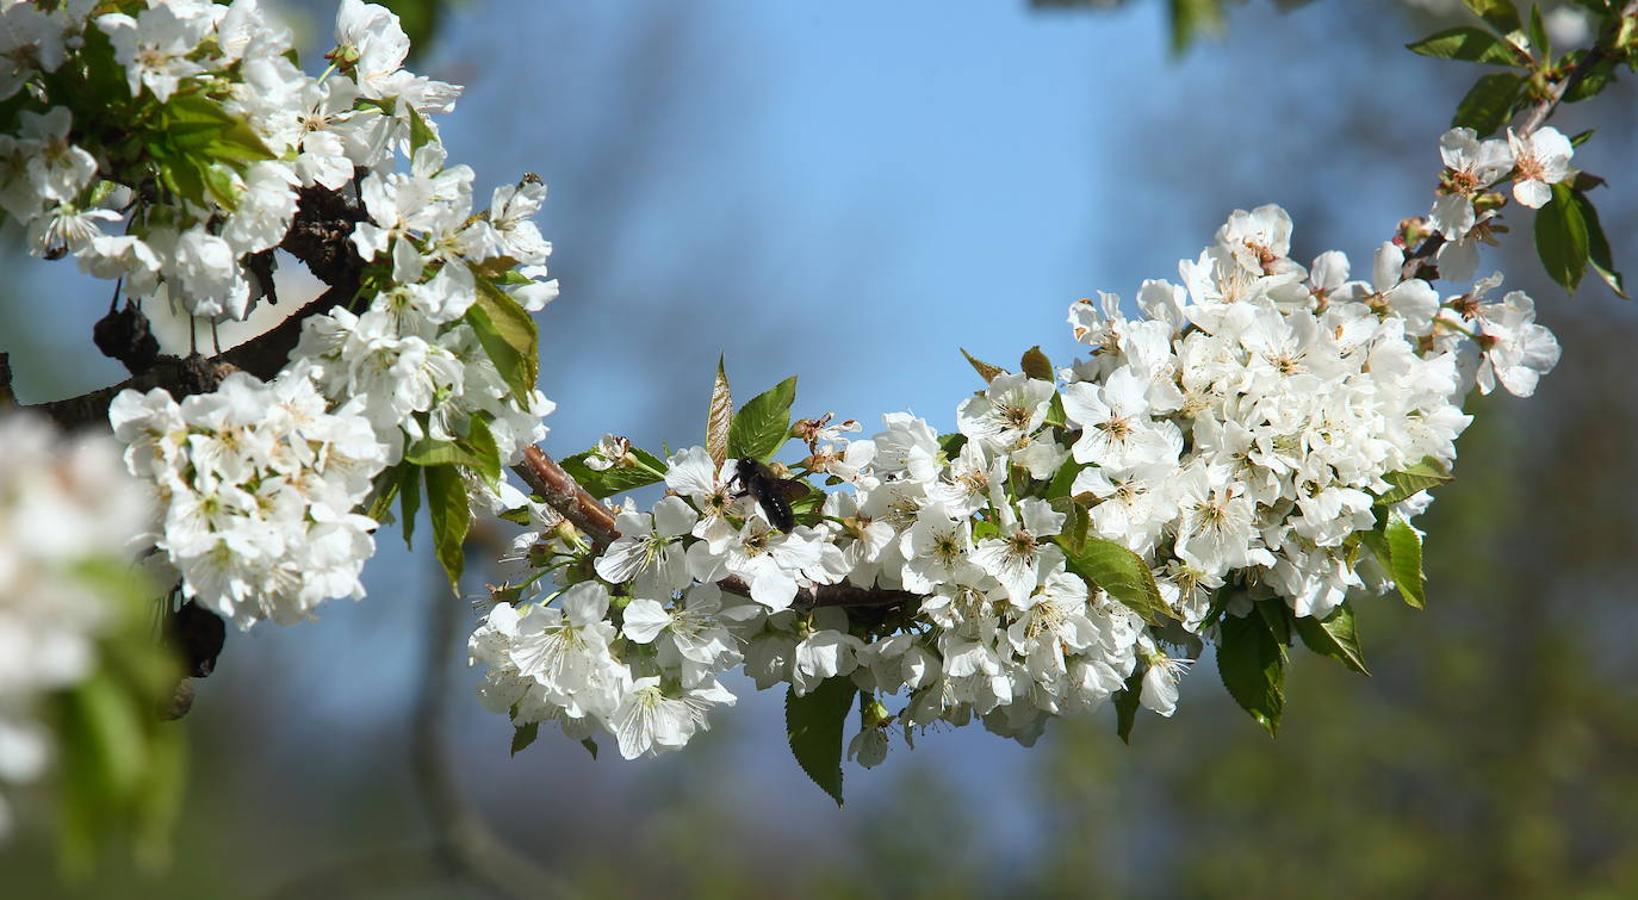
point(615, 479)
point(1251, 663)
point(950, 444)
point(1077, 523)
point(523, 736)
point(1334, 636)
point(1425, 475)
point(761, 426)
point(1466, 42)
point(1126, 706)
point(719, 419)
point(1592, 83)
point(1561, 238)
point(813, 724)
point(1120, 573)
point(1501, 15)
point(1489, 103)
point(1405, 560)
point(450, 509)
point(987, 371)
point(1598, 247)
point(508, 336)
point(1036, 364)
point(1277, 616)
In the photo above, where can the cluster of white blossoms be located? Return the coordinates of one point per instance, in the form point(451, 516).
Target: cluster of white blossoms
point(260, 482)
point(1465, 211)
point(1235, 436)
point(65, 504)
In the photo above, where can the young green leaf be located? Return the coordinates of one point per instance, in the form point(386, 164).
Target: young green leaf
point(1405, 562)
point(508, 336)
point(451, 512)
point(1598, 247)
point(813, 723)
point(1427, 474)
point(719, 419)
point(1538, 34)
point(1334, 636)
point(1119, 572)
point(986, 371)
point(1489, 103)
point(761, 426)
point(1036, 364)
point(1501, 15)
point(523, 736)
point(615, 479)
point(1126, 705)
point(1561, 238)
point(1251, 662)
point(1192, 18)
point(1468, 43)
point(409, 502)
point(476, 450)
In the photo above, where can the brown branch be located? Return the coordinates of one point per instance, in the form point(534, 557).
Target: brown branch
point(562, 493)
point(319, 237)
point(1601, 51)
point(1416, 265)
point(7, 398)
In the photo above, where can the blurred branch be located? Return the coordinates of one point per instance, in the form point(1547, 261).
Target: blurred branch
point(1601, 51)
point(7, 398)
point(318, 236)
point(463, 845)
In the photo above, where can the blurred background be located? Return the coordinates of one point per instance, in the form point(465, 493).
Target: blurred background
point(850, 192)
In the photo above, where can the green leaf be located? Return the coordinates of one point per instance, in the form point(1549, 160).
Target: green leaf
point(1538, 34)
point(813, 723)
point(1064, 481)
point(1581, 138)
point(1277, 616)
point(1077, 524)
point(761, 426)
point(616, 479)
point(523, 736)
point(1465, 42)
point(1501, 15)
point(1251, 663)
point(1598, 247)
point(1126, 705)
point(720, 417)
point(986, 371)
point(1192, 18)
point(451, 513)
point(1405, 560)
point(1592, 83)
point(477, 451)
point(1427, 474)
point(1121, 573)
point(1489, 103)
point(1035, 364)
point(950, 444)
point(591, 747)
point(421, 132)
point(1561, 238)
point(1334, 636)
point(508, 336)
point(409, 502)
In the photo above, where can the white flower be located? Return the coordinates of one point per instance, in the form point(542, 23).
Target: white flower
point(1539, 161)
point(1015, 557)
point(649, 549)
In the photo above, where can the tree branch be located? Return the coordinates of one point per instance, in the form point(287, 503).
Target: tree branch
point(319, 236)
point(562, 493)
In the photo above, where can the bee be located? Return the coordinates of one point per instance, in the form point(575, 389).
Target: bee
point(773, 493)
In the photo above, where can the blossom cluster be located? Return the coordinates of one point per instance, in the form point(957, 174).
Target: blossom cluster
point(1467, 207)
point(1240, 436)
point(258, 483)
point(228, 140)
point(65, 507)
